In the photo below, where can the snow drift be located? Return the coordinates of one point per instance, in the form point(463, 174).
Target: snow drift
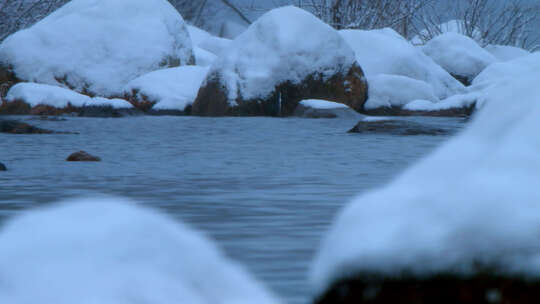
point(97, 46)
point(386, 52)
point(110, 251)
point(472, 203)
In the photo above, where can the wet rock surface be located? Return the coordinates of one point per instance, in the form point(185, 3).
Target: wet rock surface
point(82, 156)
point(398, 127)
point(482, 288)
point(399, 111)
point(18, 127)
point(3, 167)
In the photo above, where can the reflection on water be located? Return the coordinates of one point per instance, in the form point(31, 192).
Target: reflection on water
point(266, 189)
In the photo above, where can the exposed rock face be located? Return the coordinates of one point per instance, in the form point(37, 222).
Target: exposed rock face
point(463, 111)
point(349, 89)
point(442, 289)
point(3, 167)
point(267, 70)
point(7, 80)
point(18, 127)
point(82, 156)
point(397, 127)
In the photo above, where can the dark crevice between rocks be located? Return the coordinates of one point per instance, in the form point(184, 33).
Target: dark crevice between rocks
point(482, 288)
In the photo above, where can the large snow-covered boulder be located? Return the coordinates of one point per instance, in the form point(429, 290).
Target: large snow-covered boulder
point(461, 56)
point(206, 46)
point(386, 52)
point(42, 99)
point(166, 90)
point(109, 251)
point(97, 46)
point(462, 225)
point(452, 26)
point(285, 56)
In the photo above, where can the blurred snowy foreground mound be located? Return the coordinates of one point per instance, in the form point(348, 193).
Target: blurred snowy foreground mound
point(110, 251)
point(462, 226)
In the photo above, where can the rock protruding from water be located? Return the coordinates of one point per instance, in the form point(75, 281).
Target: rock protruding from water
point(442, 289)
point(267, 70)
point(83, 156)
point(3, 167)
point(17, 127)
point(397, 127)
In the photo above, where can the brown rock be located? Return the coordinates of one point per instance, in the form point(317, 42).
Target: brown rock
point(17, 127)
point(398, 111)
point(349, 89)
point(7, 80)
point(397, 127)
point(82, 156)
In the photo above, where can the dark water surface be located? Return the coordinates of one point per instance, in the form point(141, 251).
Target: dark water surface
point(265, 188)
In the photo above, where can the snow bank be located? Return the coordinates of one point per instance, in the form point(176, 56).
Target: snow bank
point(385, 52)
point(170, 89)
point(452, 26)
point(458, 54)
point(452, 102)
point(506, 52)
point(207, 41)
point(474, 201)
point(203, 57)
point(99, 45)
point(509, 70)
point(322, 104)
point(285, 44)
point(111, 251)
point(393, 90)
point(41, 94)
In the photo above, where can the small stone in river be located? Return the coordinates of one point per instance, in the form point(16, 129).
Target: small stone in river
point(82, 156)
point(2, 167)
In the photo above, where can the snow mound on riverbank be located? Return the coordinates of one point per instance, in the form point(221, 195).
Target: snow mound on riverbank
point(458, 54)
point(170, 89)
point(285, 44)
point(41, 94)
point(396, 91)
point(509, 70)
point(473, 202)
point(99, 45)
point(506, 52)
point(111, 251)
point(386, 52)
point(322, 104)
point(207, 41)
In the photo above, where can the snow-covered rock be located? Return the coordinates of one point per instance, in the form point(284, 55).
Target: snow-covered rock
point(461, 56)
point(108, 251)
point(506, 52)
point(460, 102)
point(318, 108)
point(388, 92)
point(508, 70)
point(203, 57)
point(469, 208)
point(98, 46)
point(167, 89)
point(285, 56)
point(386, 52)
point(452, 26)
point(34, 98)
point(207, 41)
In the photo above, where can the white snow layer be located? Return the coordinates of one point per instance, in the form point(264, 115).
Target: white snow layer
point(110, 251)
point(170, 89)
point(207, 41)
point(386, 52)
point(452, 102)
point(285, 44)
point(452, 26)
point(458, 54)
point(322, 104)
point(508, 70)
point(42, 94)
point(474, 200)
point(99, 45)
point(393, 90)
point(506, 52)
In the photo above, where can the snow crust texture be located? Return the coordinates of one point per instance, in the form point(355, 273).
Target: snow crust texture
point(110, 251)
point(97, 46)
point(393, 90)
point(473, 202)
